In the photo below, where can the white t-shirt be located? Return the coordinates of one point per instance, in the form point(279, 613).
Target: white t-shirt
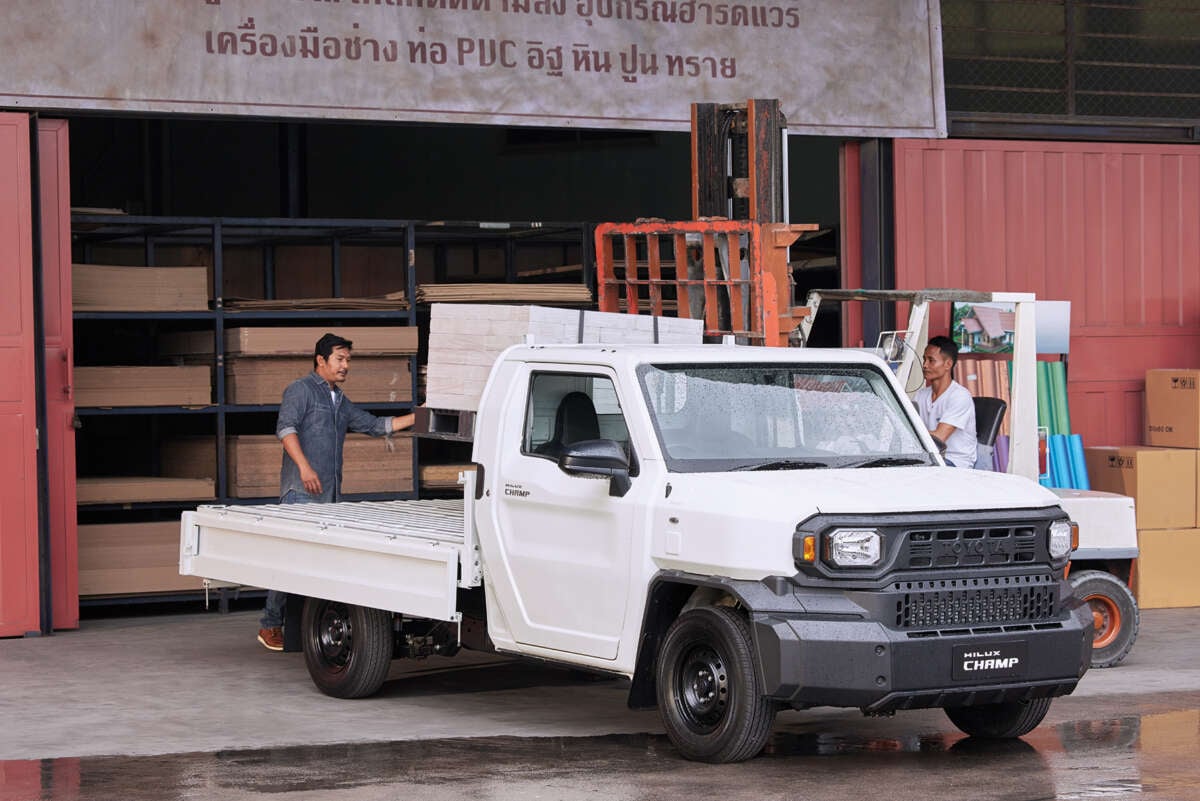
point(956, 407)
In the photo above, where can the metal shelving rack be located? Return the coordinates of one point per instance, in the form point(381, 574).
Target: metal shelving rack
point(150, 233)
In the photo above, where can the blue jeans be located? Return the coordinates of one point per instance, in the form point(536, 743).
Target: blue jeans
point(273, 611)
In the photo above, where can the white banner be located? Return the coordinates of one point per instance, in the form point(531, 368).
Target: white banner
point(839, 67)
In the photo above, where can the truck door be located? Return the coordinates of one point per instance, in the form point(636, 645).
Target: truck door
point(566, 541)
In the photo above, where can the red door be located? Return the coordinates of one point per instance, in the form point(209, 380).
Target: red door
point(18, 429)
point(55, 205)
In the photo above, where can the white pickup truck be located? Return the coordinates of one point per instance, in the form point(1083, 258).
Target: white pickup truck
point(771, 528)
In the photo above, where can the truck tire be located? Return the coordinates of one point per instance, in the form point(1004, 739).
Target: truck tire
point(708, 688)
point(1114, 613)
point(347, 648)
point(999, 721)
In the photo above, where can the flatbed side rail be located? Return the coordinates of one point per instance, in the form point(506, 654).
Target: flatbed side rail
point(360, 557)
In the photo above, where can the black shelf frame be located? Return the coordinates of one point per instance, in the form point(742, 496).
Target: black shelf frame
point(217, 233)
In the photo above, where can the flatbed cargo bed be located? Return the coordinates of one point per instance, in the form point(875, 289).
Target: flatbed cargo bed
point(401, 556)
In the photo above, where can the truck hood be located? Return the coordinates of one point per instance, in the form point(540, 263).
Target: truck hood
point(879, 490)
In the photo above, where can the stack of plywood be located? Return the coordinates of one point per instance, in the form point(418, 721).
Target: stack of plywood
point(131, 558)
point(465, 339)
point(372, 379)
point(443, 476)
point(503, 293)
point(143, 489)
point(96, 287)
point(393, 301)
point(143, 386)
point(369, 465)
point(261, 362)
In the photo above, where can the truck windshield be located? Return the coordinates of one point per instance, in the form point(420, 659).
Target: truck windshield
point(718, 417)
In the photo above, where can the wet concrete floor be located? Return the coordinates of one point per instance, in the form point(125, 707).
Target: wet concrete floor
point(1147, 752)
point(184, 708)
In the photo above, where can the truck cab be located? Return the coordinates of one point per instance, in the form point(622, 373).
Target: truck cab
point(793, 495)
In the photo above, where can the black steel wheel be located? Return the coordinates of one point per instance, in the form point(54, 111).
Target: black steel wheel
point(1114, 615)
point(708, 688)
point(347, 648)
point(999, 721)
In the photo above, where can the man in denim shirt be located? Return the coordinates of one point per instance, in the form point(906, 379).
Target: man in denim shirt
point(313, 419)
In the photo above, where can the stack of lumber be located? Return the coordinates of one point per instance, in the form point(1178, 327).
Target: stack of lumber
point(97, 287)
point(504, 293)
point(131, 558)
point(369, 465)
point(465, 339)
point(143, 386)
point(143, 489)
point(443, 476)
point(261, 361)
point(393, 301)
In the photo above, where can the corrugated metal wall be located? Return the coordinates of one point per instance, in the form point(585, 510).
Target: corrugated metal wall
point(1113, 228)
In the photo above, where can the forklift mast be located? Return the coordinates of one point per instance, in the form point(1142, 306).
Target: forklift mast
point(728, 266)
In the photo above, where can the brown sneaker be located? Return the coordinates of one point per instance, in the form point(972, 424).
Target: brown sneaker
point(271, 638)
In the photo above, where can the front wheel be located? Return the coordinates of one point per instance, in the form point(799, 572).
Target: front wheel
point(999, 721)
point(1114, 614)
point(708, 689)
point(347, 648)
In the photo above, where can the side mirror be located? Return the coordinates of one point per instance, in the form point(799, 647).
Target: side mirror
point(601, 458)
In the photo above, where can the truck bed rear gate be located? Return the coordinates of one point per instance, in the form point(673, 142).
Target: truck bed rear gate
point(401, 556)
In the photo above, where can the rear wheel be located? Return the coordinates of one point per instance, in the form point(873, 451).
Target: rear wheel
point(999, 721)
point(708, 688)
point(1114, 615)
point(347, 648)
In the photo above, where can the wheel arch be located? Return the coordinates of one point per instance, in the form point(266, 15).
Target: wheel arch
point(669, 595)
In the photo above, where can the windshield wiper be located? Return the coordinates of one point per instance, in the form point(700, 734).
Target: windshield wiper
point(781, 464)
point(888, 461)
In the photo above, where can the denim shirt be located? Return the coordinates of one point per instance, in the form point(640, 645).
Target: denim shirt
point(310, 412)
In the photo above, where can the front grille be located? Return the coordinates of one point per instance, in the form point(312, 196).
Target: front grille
point(975, 601)
point(970, 547)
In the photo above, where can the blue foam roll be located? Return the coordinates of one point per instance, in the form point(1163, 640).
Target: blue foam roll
point(1060, 463)
point(1078, 463)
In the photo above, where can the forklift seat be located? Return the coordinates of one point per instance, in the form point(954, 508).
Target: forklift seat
point(989, 414)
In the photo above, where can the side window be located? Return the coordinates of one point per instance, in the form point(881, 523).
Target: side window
point(565, 408)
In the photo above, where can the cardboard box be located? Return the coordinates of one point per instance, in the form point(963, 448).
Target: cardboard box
point(97, 287)
point(253, 461)
point(1166, 568)
point(143, 386)
point(1173, 408)
point(131, 558)
point(142, 489)
point(1161, 481)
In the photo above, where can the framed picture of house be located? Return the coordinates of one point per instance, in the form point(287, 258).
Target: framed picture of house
point(983, 327)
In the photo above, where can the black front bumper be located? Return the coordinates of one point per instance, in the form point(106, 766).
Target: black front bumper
point(826, 661)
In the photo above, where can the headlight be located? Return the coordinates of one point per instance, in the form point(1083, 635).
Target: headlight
point(853, 547)
point(1061, 535)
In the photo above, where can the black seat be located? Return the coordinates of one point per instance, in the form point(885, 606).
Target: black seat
point(574, 421)
point(989, 414)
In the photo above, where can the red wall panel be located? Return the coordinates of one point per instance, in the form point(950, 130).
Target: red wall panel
point(18, 466)
point(1113, 228)
point(55, 206)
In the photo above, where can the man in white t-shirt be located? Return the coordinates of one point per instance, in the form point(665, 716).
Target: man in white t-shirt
point(945, 406)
